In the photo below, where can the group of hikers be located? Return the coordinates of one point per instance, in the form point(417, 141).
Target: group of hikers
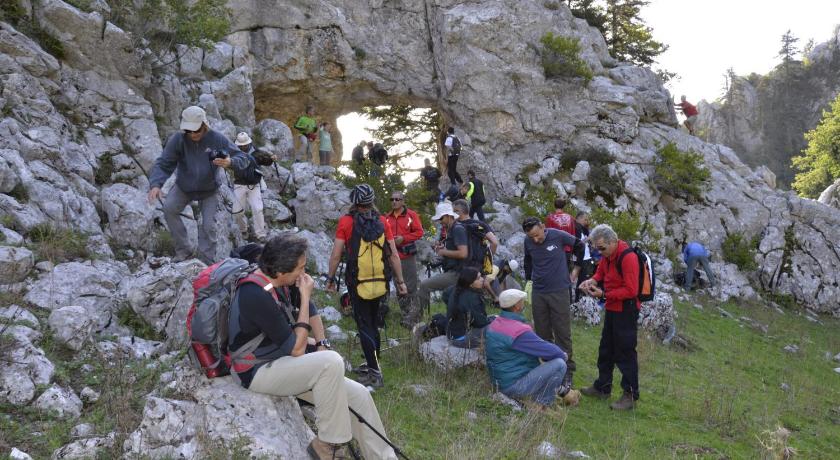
point(277, 343)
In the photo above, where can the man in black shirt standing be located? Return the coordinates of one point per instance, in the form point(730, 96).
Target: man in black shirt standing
point(268, 351)
point(431, 178)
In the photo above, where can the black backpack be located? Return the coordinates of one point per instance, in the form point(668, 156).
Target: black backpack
point(378, 154)
point(478, 248)
point(251, 175)
point(647, 278)
point(456, 145)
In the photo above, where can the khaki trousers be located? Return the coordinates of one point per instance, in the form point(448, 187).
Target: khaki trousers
point(319, 379)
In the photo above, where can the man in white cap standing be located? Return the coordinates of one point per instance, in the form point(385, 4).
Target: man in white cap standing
point(247, 187)
point(453, 249)
point(513, 353)
point(196, 153)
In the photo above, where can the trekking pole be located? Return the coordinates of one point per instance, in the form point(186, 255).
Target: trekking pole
point(365, 422)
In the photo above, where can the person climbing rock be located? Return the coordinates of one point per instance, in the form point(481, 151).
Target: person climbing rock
point(358, 155)
point(197, 153)
point(247, 188)
point(694, 253)
point(690, 112)
point(452, 145)
point(431, 179)
point(475, 195)
point(307, 128)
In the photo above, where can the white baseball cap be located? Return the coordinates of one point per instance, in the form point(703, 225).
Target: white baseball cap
point(444, 209)
point(511, 297)
point(242, 139)
point(192, 117)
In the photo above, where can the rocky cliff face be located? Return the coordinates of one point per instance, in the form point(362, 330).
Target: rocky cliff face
point(78, 136)
point(763, 118)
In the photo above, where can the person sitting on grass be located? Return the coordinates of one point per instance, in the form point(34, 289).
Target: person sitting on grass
point(513, 353)
point(466, 315)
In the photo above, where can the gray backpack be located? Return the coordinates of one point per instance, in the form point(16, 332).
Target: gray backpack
point(213, 291)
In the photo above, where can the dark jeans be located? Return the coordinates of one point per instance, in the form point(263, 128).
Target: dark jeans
point(452, 169)
point(366, 312)
point(476, 208)
point(618, 349)
point(553, 321)
point(439, 325)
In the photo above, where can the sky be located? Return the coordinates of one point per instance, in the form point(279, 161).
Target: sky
point(707, 37)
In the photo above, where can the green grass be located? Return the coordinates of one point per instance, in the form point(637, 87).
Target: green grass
point(716, 402)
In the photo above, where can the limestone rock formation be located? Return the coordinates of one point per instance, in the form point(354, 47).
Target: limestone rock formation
point(763, 117)
point(439, 352)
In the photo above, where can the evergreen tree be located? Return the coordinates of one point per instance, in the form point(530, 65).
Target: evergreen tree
point(819, 163)
point(628, 37)
point(407, 125)
point(788, 49)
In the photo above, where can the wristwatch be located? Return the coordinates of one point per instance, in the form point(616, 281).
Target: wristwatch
point(324, 343)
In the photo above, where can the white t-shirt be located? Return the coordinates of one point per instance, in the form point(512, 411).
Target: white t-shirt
point(448, 142)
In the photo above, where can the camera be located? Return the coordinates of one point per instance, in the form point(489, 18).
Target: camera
point(216, 154)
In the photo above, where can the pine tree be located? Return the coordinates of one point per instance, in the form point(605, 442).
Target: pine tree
point(819, 163)
point(788, 49)
point(627, 36)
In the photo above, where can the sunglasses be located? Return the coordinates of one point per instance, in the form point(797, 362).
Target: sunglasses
point(396, 199)
point(187, 131)
point(601, 248)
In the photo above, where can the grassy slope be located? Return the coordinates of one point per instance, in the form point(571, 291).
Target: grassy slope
point(719, 401)
point(715, 402)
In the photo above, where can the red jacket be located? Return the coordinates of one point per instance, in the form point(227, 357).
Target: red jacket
point(407, 225)
point(619, 288)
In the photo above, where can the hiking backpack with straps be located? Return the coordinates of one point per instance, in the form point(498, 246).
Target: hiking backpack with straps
point(207, 318)
point(478, 247)
point(456, 145)
point(647, 278)
point(251, 175)
point(367, 254)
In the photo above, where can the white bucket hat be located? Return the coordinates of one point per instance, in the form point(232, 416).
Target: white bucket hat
point(242, 139)
point(444, 209)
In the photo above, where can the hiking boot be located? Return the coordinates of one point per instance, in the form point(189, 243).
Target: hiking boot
point(320, 450)
point(361, 370)
point(372, 378)
point(594, 392)
point(567, 379)
point(418, 332)
point(572, 398)
point(626, 402)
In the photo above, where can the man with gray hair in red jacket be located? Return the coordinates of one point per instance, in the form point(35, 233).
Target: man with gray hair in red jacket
point(620, 289)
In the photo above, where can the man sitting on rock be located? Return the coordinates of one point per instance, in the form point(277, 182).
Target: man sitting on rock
point(278, 363)
point(453, 250)
point(197, 153)
point(501, 279)
point(513, 354)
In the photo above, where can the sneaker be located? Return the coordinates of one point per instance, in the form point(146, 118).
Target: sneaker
point(373, 378)
point(594, 392)
point(320, 450)
point(626, 402)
